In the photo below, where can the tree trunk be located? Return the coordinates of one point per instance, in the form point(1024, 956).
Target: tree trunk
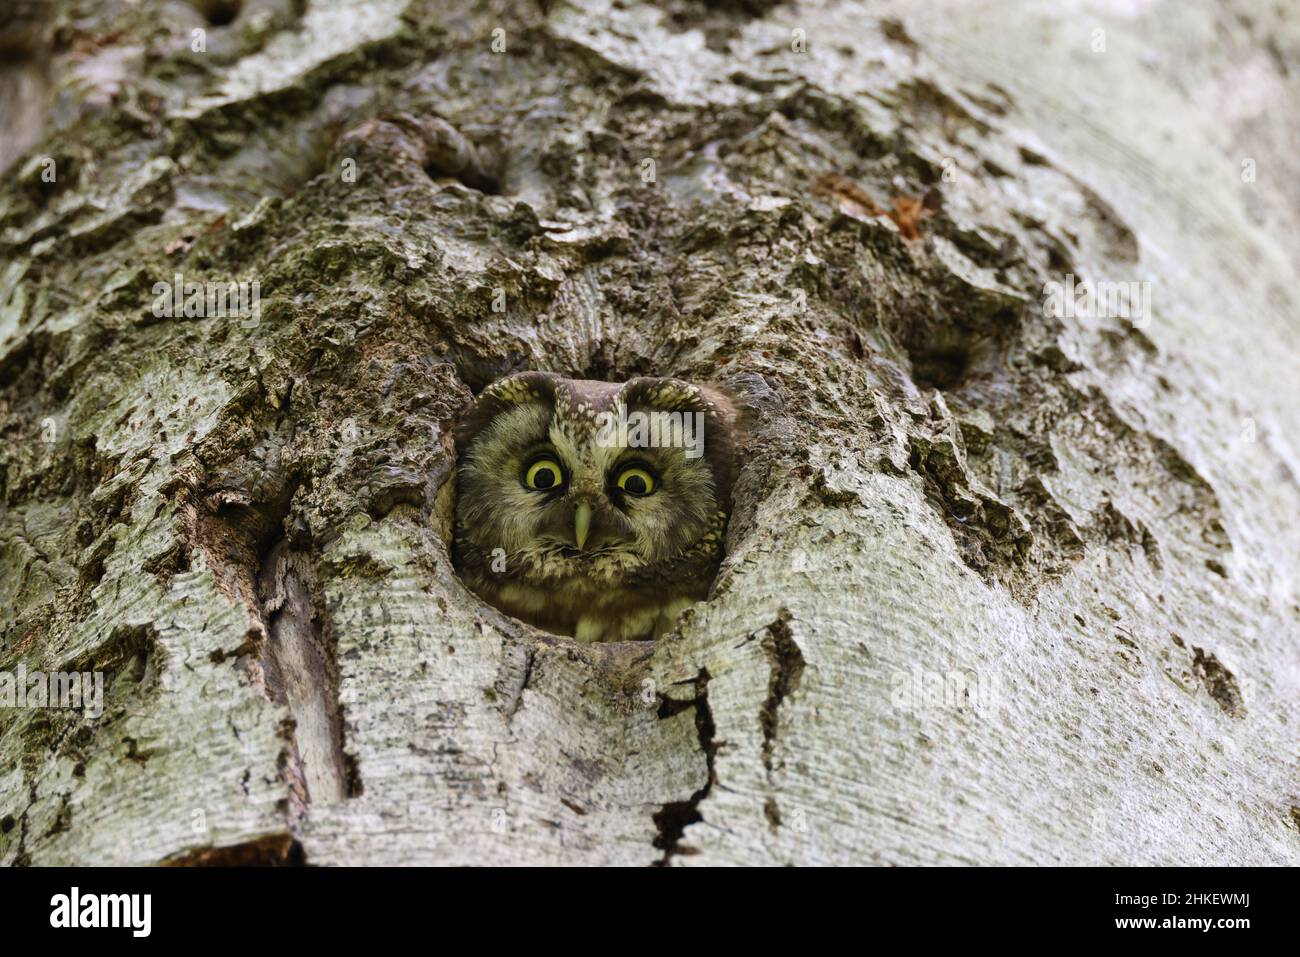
point(1009, 578)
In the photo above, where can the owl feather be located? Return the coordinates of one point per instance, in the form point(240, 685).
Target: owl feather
point(574, 514)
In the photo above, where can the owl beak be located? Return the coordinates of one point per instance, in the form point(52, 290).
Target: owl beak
point(582, 523)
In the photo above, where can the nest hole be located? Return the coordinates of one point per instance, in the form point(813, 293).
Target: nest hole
point(952, 360)
point(944, 368)
point(220, 13)
point(445, 519)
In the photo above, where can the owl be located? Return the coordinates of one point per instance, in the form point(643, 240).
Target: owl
point(594, 509)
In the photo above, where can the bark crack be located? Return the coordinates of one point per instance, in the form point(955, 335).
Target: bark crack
point(1219, 682)
point(276, 850)
point(787, 667)
point(672, 819)
point(300, 672)
point(787, 671)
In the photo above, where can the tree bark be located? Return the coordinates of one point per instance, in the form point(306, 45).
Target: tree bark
point(1003, 584)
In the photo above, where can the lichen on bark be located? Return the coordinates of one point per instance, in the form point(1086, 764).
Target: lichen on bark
point(243, 521)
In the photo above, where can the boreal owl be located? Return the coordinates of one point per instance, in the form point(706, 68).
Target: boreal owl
point(594, 509)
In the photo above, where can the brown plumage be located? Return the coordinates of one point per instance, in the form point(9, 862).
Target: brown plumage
point(594, 509)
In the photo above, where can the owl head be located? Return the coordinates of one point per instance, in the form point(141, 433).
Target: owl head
point(593, 508)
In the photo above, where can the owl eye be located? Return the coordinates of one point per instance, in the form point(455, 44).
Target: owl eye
point(544, 475)
point(636, 481)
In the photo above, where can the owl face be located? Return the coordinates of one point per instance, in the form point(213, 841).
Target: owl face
point(593, 509)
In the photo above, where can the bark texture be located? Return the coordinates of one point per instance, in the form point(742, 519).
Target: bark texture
point(1001, 586)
